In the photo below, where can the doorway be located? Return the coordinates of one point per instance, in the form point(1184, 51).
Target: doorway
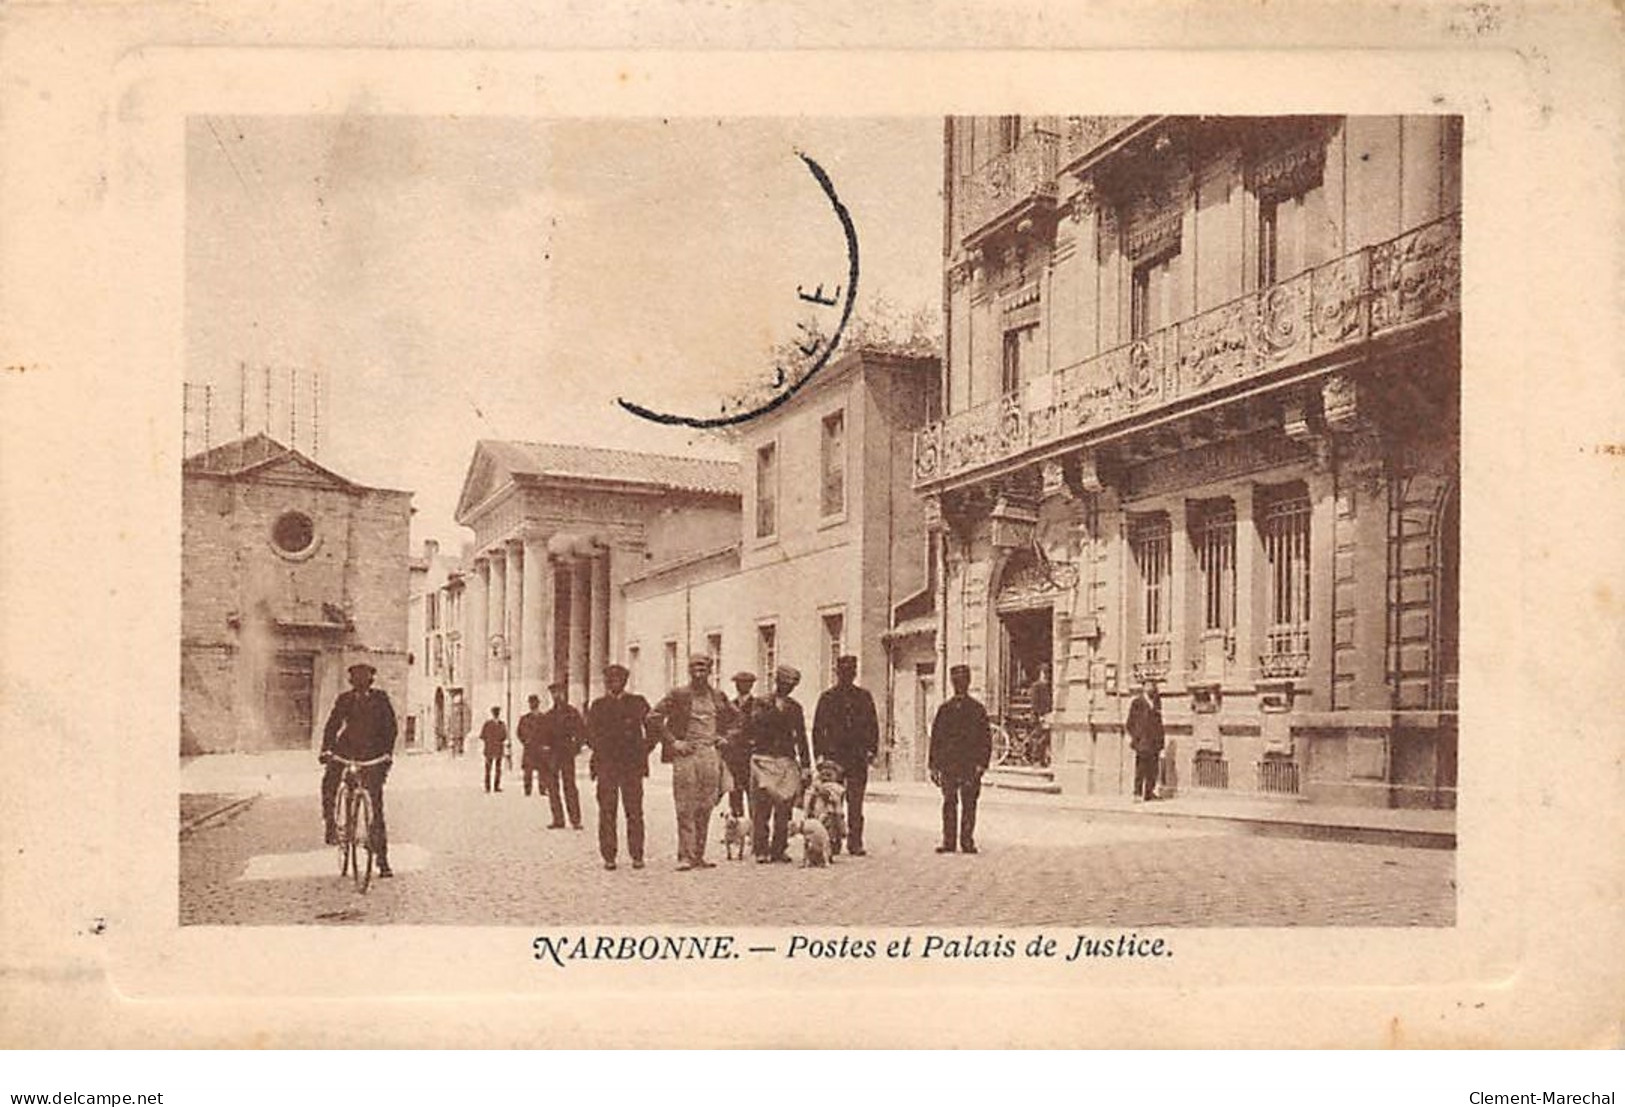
point(1028, 639)
point(290, 701)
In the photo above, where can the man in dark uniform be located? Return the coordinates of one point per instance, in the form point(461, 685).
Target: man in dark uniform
point(961, 746)
point(532, 761)
point(779, 763)
point(846, 730)
point(493, 737)
point(736, 753)
point(1145, 739)
point(360, 728)
point(562, 734)
point(617, 732)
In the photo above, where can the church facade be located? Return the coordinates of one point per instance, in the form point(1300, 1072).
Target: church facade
point(289, 574)
point(1201, 430)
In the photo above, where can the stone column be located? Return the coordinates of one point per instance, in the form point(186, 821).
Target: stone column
point(495, 623)
point(515, 617)
point(600, 619)
point(580, 617)
point(476, 649)
point(1249, 643)
point(537, 635)
point(1180, 623)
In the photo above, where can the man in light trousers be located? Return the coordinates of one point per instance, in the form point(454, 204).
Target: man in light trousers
point(693, 721)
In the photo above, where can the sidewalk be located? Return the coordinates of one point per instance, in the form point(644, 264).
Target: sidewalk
point(1371, 825)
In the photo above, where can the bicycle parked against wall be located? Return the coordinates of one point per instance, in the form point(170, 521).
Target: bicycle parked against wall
point(1020, 740)
point(357, 837)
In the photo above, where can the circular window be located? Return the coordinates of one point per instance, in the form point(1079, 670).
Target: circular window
point(293, 532)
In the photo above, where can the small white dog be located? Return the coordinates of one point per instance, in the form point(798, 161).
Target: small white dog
point(735, 836)
point(814, 843)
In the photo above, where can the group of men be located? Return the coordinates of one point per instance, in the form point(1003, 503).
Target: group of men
point(753, 749)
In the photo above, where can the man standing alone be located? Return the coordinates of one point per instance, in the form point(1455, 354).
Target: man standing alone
point(562, 733)
point(693, 721)
point(494, 737)
point(846, 730)
point(1145, 739)
point(961, 747)
point(618, 736)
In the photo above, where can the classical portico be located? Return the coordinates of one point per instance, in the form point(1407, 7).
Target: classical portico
point(557, 530)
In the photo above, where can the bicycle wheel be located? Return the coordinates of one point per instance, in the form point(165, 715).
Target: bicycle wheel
point(363, 840)
point(347, 832)
point(1001, 744)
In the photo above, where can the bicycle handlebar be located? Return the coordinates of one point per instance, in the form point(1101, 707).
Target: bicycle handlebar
point(361, 764)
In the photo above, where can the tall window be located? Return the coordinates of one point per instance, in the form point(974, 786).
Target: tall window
point(767, 491)
point(671, 664)
point(767, 651)
point(1010, 370)
point(1151, 305)
point(1009, 132)
point(834, 643)
point(713, 649)
point(1292, 233)
point(633, 656)
point(1285, 527)
point(832, 457)
point(1151, 540)
point(1214, 536)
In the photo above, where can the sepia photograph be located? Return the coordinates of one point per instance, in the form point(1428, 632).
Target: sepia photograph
point(995, 520)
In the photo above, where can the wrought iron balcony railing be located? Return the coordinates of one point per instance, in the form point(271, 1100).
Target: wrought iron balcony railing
point(1409, 279)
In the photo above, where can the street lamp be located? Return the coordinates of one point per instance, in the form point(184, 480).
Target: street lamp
point(501, 652)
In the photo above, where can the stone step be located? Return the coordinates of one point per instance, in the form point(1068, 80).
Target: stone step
point(1021, 778)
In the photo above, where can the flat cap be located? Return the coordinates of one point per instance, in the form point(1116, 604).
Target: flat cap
point(700, 659)
point(957, 670)
point(617, 670)
point(742, 677)
point(847, 659)
point(362, 665)
point(788, 672)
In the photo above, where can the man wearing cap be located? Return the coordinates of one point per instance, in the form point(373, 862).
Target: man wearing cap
point(617, 733)
point(562, 734)
point(961, 747)
point(360, 728)
point(693, 722)
point(779, 762)
point(494, 738)
point(532, 761)
point(846, 730)
point(736, 754)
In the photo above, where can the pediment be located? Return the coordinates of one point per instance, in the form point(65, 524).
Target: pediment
point(485, 475)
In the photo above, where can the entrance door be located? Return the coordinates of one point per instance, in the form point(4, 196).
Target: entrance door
point(290, 701)
point(1028, 649)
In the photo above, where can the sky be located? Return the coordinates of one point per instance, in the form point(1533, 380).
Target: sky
point(453, 279)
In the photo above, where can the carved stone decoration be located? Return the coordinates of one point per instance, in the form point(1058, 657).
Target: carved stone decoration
point(933, 512)
point(1296, 422)
point(1053, 475)
point(1288, 172)
point(1339, 395)
point(1089, 478)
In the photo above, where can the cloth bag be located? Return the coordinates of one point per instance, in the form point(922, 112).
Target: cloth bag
point(778, 777)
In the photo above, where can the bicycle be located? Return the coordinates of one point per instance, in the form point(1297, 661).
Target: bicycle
point(1017, 742)
point(355, 822)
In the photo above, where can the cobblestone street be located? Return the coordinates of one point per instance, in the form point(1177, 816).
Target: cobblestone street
point(470, 859)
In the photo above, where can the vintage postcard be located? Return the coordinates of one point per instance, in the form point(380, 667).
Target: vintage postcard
point(1056, 534)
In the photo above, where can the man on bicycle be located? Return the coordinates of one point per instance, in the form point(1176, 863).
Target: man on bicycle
point(361, 728)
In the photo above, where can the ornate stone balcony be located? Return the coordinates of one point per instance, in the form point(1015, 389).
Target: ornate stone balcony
point(1009, 182)
point(1382, 289)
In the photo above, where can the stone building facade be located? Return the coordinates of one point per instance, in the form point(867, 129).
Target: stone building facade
point(558, 530)
point(831, 542)
point(289, 574)
point(437, 693)
point(1202, 380)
